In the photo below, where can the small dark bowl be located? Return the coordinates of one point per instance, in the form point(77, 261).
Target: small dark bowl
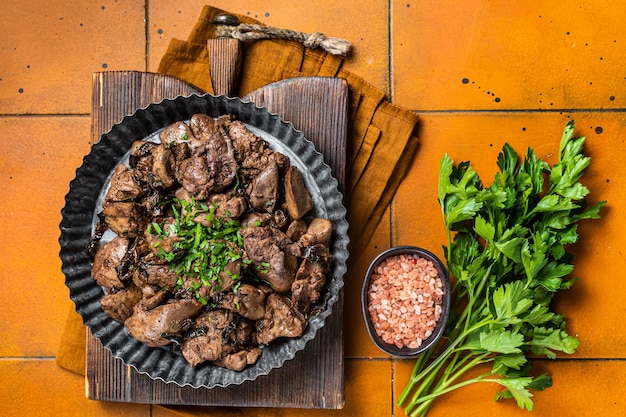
point(431, 340)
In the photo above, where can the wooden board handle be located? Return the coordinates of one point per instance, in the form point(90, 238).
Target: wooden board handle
point(225, 64)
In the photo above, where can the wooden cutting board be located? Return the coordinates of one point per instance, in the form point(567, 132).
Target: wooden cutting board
point(315, 377)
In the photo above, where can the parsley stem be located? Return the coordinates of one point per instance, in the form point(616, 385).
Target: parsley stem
point(427, 399)
point(421, 361)
point(430, 372)
point(455, 369)
point(425, 385)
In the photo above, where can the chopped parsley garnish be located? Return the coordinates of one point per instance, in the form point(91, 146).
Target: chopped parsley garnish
point(199, 251)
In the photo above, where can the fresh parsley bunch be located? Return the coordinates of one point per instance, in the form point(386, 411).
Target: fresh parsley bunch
point(507, 250)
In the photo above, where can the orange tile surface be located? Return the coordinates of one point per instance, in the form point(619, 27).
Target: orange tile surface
point(514, 55)
point(40, 157)
point(50, 49)
point(38, 387)
point(478, 73)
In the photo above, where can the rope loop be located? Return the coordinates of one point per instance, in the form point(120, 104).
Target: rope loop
point(246, 31)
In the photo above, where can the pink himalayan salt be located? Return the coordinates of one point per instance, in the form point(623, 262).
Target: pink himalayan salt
point(405, 300)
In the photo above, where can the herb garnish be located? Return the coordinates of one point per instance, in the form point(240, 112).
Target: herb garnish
point(200, 251)
point(507, 250)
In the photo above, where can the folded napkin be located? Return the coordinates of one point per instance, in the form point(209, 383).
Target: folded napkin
point(381, 135)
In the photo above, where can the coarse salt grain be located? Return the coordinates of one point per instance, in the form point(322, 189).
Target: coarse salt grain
point(405, 299)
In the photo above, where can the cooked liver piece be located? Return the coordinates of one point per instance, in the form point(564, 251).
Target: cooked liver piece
point(297, 198)
point(271, 255)
point(123, 187)
point(263, 190)
point(247, 301)
point(125, 219)
point(311, 277)
point(281, 319)
point(149, 326)
point(119, 305)
point(106, 261)
point(214, 335)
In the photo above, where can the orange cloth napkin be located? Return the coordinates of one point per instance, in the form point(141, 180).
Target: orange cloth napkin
point(381, 135)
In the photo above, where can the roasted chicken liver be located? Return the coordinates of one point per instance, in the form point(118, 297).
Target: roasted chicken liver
point(216, 249)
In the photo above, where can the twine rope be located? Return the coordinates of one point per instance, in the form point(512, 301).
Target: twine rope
point(246, 31)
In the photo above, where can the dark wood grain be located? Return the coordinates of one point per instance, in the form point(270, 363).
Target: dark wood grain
point(225, 64)
point(315, 377)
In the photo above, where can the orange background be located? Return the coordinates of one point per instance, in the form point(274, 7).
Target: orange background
point(530, 66)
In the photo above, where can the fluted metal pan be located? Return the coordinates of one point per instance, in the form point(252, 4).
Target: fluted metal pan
point(83, 202)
